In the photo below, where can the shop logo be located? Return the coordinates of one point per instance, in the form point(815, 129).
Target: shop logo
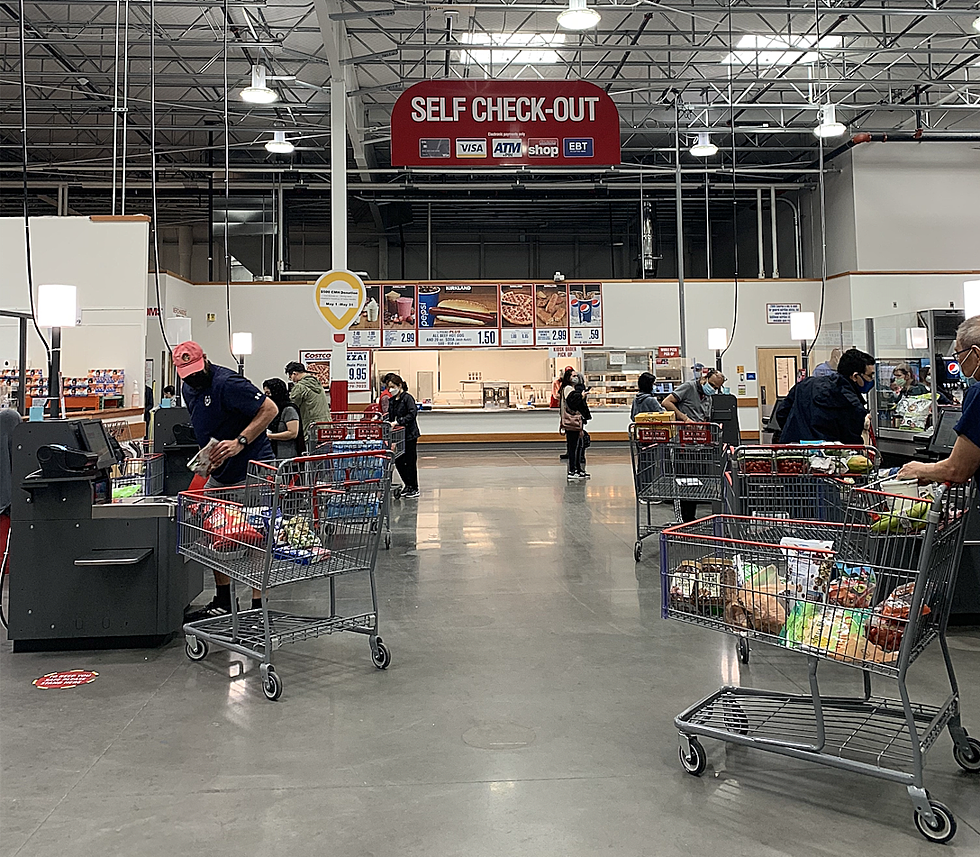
point(507, 147)
point(434, 147)
point(578, 147)
point(542, 147)
point(475, 148)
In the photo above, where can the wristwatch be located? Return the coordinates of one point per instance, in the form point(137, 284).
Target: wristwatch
point(243, 440)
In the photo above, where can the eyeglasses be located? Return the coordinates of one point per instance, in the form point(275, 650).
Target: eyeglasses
point(955, 355)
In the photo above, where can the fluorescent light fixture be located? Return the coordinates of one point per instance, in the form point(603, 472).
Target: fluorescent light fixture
point(241, 344)
point(258, 92)
point(781, 50)
point(578, 16)
point(976, 24)
point(279, 145)
point(704, 148)
point(717, 338)
point(916, 338)
point(971, 298)
point(802, 325)
point(57, 306)
point(506, 48)
point(828, 125)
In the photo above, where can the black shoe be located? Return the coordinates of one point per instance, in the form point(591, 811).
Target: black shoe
point(573, 476)
point(410, 494)
point(211, 610)
point(583, 475)
point(563, 457)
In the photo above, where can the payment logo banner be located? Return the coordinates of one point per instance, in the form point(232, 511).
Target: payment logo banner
point(434, 147)
point(471, 148)
point(543, 147)
point(578, 147)
point(507, 147)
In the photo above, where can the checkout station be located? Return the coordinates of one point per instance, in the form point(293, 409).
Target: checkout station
point(90, 572)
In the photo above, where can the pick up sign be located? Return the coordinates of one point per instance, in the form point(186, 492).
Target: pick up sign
point(484, 123)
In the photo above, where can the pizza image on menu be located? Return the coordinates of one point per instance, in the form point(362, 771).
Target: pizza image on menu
point(517, 306)
point(461, 306)
point(551, 306)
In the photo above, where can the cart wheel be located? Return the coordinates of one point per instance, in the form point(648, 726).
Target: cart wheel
point(969, 759)
point(387, 541)
point(695, 760)
point(272, 685)
point(743, 649)
point(380, 656)
point(637, 551)
point(195, 649)
point(944, 828)
point(735, 719)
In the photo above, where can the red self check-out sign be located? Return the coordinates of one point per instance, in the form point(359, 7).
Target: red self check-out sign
point(483, 123)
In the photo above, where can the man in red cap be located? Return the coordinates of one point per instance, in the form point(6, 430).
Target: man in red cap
point(233, 411)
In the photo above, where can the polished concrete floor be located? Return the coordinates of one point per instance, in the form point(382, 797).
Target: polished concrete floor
point(528, 710)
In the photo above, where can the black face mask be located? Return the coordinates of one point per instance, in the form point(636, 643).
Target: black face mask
point(199, 380)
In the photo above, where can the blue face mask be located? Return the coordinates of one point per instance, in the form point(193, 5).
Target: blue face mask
point(708, 389)
point(867, 386)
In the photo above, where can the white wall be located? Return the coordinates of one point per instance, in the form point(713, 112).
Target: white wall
point(107, 262)
point(917, 206)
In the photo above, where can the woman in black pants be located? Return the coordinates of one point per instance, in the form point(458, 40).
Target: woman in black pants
point(574, 417)
point(403, 411)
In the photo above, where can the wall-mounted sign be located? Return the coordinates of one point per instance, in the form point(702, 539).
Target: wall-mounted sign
point(482, 123)
point(339, 297)
point(566, 353)
point(779, 313)
point(667, 352)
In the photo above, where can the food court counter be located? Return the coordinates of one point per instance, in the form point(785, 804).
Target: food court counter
point(477, 425)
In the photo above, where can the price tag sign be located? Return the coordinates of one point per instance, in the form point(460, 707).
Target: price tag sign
point(517, 338)
point(696, 434)
point(358, 371)
point(551, 336)
point(364, 338)
point(399, 339)
point(436, 337)
point(653, 434)
point(586, 336)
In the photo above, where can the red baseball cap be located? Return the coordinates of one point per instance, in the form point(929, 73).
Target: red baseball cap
point(188, 358)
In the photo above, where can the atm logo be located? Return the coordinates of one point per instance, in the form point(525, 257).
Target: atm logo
point(543, 147)
point(507, 147)
point(579, 147)
point(475, 148)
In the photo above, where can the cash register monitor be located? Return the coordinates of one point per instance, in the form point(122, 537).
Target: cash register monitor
point(96, 440)
point(944, 437)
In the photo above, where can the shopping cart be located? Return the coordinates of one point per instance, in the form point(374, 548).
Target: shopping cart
point(301, 519)
point(804, 482)
point(673, 462)
point(352, 435)
point(871, 592)
point(138, 477)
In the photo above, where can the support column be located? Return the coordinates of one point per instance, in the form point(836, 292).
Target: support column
point(338, 229)
point(679, 199)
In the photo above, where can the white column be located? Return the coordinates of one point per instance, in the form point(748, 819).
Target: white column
point(338, 223)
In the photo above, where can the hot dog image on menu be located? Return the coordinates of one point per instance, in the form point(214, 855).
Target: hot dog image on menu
point(457, 305)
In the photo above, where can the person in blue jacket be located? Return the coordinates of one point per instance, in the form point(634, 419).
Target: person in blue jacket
point(830, 407)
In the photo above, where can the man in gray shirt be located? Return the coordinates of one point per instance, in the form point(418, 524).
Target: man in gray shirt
point(691, 401)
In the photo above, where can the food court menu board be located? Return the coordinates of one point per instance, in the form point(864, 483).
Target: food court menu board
point(478, 315)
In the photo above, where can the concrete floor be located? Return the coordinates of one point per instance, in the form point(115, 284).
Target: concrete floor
point(528, 711)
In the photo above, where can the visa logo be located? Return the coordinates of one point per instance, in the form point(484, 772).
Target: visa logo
point(475, 148)
point(506, 148)
point(578, 147)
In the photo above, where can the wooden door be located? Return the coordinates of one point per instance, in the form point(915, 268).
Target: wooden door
point(777, 371)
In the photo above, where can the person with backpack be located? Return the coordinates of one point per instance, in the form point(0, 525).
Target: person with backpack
point(285, 431)
point(575, 414)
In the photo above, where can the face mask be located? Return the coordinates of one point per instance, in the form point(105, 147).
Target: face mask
point(900, 381)
point(864, 385)
point(199, 380)
point(709, 390)
point(394, 391)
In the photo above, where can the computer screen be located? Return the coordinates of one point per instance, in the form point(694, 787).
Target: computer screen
point(944, 437)
point(97, 441)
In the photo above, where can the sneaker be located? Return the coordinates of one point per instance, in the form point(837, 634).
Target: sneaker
point(574, 476)
point(410, 494)
point(211, 610)
point(583, 475)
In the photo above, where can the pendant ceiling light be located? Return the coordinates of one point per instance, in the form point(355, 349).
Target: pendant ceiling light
point(704, 148)
point(259, 92)
point(828, 125)
point(578, 16)
point(279, 145)
point(976, 24)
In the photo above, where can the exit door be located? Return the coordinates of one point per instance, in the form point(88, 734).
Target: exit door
point(778, 369)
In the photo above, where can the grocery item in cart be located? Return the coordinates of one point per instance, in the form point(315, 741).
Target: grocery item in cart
point(757, 608)
point(700, 587)
point(853, 587)
point(808, 572)
point(229, 530)
point(888, 622)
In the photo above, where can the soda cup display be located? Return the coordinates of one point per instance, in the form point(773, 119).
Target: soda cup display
point(428, 298)
point(574, 310)
point(585, 311)
point(596, 309)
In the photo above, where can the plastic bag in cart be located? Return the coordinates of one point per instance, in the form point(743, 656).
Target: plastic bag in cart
point(229, 529)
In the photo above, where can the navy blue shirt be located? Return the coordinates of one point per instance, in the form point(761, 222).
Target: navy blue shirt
point(223, 411)
point(968, 424)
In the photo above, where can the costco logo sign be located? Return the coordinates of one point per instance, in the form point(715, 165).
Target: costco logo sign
point(513, 122)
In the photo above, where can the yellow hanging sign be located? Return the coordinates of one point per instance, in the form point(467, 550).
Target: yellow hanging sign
point(339, 297)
